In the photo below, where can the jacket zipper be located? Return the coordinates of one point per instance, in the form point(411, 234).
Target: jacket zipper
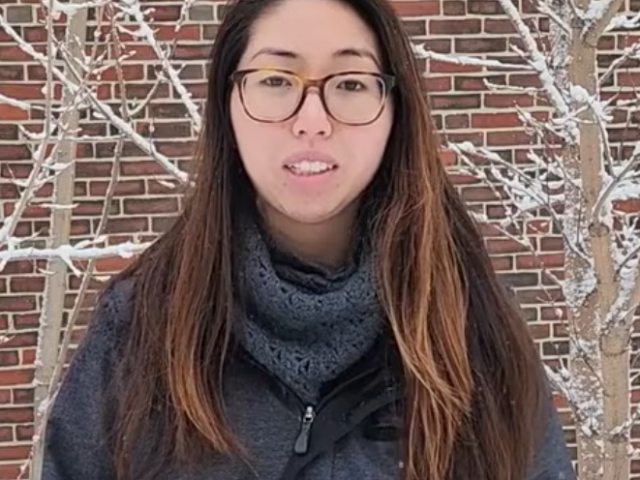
point(302, 442)
point(301, 445)
point(309, 412)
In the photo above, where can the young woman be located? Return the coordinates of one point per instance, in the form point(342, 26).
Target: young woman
point(323, 309)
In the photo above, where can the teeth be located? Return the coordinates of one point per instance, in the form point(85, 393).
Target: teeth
point(306, 167)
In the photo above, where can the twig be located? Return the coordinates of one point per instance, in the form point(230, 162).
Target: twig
point(465, 60)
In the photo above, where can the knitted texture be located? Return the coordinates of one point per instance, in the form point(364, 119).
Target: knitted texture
point(303, 322)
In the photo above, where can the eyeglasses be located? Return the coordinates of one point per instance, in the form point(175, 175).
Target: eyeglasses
point(352, 98)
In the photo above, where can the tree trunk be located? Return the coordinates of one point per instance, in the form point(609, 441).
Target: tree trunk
point(599, 362)
point(56, 285)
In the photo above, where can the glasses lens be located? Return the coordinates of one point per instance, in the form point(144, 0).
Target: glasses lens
point(270, 95)
point(355, 97)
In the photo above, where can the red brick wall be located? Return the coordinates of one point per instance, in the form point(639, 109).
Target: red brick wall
point(464, 110)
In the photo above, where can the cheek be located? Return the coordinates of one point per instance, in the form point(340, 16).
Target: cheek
point(369, 143)
point(255, 140)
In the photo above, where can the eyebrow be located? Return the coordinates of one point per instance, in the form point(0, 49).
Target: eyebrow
point(342, 53)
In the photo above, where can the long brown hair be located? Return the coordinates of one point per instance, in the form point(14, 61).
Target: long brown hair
point(474, 389)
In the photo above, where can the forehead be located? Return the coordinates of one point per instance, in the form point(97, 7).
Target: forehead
point(315, 32)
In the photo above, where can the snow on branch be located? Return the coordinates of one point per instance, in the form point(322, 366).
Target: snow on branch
point(15, 103)
point(55, 7)
point(629, 53)
point(132, 8)
point(69, 253)
point(624, 22)
point(599, 11)
point(617, 187)
point(545, 9)
point(74, 84)
point(423, 53)
point(539, 63)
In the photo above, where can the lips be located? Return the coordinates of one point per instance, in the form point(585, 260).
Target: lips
point(310, 162)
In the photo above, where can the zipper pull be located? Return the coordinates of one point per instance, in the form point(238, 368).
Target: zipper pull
point(302, 442)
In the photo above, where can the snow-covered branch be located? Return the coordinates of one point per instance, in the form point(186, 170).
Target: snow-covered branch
point(629, 53)
point(133, 9)
point(631, 190)
point(421, 52)
point(598, 16)
point(70, 253)
point(624, 22)
point(539, 63)
point(107, 112)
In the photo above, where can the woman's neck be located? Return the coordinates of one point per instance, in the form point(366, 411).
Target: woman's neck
point(326, 243)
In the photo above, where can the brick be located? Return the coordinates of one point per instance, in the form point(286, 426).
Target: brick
point(201, 12)
point(454, 7)
point(5, 396)
point(10, 415)
point(415, 28)
point(24, 432)
point(436, 66)
point(470, 83)
point(8, 132)
point(461, 102)
point(197, 91)
point(20, 340)
point(555, 348)
point(475, 138)
point(501, 100)
point(95, 207)
point(139, 168)
point(9, 112)
point(438, 45)
point(484, 7)
point(15, 152)
point(11, 73)
point(190, 33)
point(17, 303)
point(8, 359)
point(122, 188)
point(16, 377)
point(16, 54)
point(455, 27)
point(480, 45)
point(129, 73)
point(166, 13)
point(457, 121)
point(6, 434)
point(162, 224)
point(497, 25)
point(509, 138)
point(416, 8)
point(192, 52)
point(10, 471)
point(39, 34)
point(150, 205)
point(111, 264)
point(28, 356)
point(19, 14)
point(168, 110)
point(209, 32)
point(23, 395)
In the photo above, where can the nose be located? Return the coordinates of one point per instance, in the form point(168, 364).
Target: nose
point(312, 118)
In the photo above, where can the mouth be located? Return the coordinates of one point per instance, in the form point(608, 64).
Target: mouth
point(308, 168)
point(309, 164)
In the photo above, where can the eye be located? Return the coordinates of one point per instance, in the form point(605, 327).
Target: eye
point(352, 85)
point(276, 81)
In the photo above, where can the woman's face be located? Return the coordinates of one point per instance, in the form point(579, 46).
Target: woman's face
point(310, 168)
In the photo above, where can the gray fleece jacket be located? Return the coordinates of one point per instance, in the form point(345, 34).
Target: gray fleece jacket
point(286, 439)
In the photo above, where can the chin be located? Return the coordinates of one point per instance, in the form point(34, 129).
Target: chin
point(310, 217)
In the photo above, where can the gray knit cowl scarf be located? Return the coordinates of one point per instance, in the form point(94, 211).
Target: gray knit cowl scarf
point(304, 323)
